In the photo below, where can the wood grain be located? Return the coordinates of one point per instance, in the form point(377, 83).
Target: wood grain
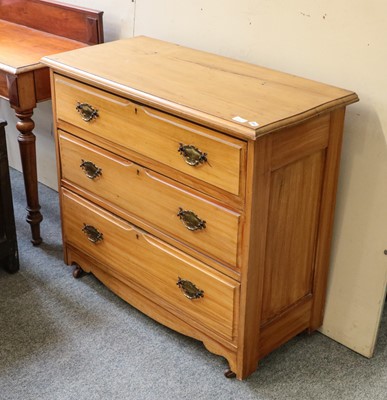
point(202, 87)
point(76, 23)
point(152, 264)
point(291, 144)
point(134, 188)
point(234, 201)
point(22, 47)
point(268, 190)
point(292, 228)
point(3, 85)
point(278, 331)
point(124, 122)
point(326, 218)
point(254, 254)
point(155, 309)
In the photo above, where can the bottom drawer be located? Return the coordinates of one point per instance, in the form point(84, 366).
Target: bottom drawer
point(192, 289)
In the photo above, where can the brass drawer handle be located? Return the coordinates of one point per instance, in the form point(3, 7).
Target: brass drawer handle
point(87, 111)
point(92, 233)
point(192, 155)
point(189, 289)
point(191, 221)
point(90, 169)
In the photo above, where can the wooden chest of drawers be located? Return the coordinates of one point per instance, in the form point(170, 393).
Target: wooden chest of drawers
point(200, 189)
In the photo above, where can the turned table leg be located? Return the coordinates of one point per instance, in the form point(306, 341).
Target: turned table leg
point(26, 141)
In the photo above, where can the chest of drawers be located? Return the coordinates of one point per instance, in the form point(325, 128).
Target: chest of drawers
point(200, 189)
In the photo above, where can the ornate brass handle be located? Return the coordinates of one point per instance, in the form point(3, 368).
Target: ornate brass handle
point(191, 221)
point(87, 111)
point(92, 233)
point(189, 289)
point(90, 169)
point(192, 155)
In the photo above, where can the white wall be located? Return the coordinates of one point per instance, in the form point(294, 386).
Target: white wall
point(340, 42)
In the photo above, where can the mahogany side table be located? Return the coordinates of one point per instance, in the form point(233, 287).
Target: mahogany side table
point(30, 30)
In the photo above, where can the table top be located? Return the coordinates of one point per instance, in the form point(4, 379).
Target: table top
point(21, 48)
point(229, 95)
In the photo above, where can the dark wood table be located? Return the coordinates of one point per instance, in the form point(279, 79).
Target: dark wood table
point(8, 243)
point(29, 30)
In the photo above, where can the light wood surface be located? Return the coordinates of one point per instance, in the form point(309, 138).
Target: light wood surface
point(226, 88)
point(152, 265)
point(291, 236)
point(123, 122)
point(134, 189)
point(155, 308)
point(325, 226)
point(269, 192)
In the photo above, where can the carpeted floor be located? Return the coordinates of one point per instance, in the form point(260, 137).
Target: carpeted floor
point(65, 339)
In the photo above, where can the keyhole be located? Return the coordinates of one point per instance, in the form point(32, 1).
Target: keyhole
point(137, 237)
point(135, 110)
point(138, 172)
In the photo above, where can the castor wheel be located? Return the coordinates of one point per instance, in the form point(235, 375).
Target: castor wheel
point(229, 374)
point(77, 272)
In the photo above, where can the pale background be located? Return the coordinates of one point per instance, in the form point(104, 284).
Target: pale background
point(339, 42)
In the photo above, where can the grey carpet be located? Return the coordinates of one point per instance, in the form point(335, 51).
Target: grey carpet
point(63, 338)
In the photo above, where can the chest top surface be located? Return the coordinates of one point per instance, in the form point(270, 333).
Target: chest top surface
point(233, 96)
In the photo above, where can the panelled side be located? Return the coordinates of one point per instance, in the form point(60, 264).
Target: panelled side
point(296, 185)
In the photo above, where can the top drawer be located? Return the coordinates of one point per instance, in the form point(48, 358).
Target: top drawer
point(204, 154)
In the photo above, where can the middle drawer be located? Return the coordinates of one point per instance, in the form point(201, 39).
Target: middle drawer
point(155, 199)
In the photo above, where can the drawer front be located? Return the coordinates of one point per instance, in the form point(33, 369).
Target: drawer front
point(147, 195)
point(154, 134)
point(163, 272)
